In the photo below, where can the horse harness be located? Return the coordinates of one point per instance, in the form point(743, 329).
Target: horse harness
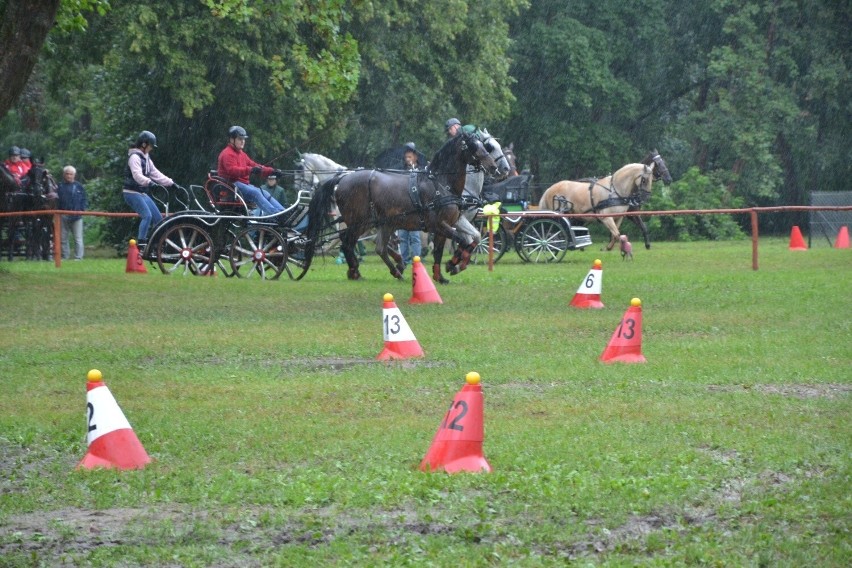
point(635, 199)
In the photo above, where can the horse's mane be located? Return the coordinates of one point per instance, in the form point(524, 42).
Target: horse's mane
point(444, 159)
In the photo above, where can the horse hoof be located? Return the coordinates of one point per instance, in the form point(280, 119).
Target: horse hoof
point(648, 247)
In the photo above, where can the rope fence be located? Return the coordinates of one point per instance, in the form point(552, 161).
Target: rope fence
point(753, 213)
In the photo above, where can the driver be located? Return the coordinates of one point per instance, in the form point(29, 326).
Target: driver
point(236, 167)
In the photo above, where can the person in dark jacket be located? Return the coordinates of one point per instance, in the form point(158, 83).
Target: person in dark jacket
point(72, 197)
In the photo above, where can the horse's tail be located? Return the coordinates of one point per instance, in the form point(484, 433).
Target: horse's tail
point(318, 210)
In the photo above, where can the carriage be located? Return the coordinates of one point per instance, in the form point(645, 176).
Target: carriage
point(213, 231)
point(536, 236)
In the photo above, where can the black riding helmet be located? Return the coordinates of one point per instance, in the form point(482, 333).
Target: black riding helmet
point(26, 154)
point(237, 132)
point(146, 137)
point(14, 151)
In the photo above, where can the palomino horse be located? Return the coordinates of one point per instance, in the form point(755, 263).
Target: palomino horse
point(420, 200)
point(629, 186)
point(661, 172)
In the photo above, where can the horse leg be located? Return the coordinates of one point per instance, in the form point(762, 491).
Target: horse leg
point(609, 223)
point(392, 258)
point(644, 228)
point(467, 240)
point(438, 241)
point(347, 245)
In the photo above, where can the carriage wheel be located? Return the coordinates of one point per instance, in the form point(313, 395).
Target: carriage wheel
point(258, 252)
point(542, 240)
point(501, 243)
point(186, 249)
point(296, 264)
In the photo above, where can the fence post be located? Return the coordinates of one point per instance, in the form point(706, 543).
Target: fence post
point(57, 241)
point(753, 215)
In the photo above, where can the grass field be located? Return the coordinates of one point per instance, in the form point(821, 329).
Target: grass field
point(279, 440)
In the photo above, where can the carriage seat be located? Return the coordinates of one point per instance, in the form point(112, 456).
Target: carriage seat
point(223, 196)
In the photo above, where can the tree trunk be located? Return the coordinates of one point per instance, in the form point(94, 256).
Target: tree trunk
point(25, 24)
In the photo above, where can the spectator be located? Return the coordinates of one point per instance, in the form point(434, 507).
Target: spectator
point(236, 167)
point(139, 175)
point(410, 244)
point(14, 164)
point(72, 197)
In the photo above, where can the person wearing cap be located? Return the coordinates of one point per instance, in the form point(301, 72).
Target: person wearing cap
point(236, 166)
point(410, 244)
point(14, 164)
point(72, 197)
point(140, 175)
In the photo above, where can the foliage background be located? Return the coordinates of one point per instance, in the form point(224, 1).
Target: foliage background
point(753, 94)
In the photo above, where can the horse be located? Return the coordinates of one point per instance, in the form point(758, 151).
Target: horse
point(37, 191)
point(629, 186)
point(314, 169)
point(661, 171)
point(419, 200)
point(42, 190)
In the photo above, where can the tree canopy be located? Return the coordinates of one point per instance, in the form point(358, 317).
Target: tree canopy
point(752, 94)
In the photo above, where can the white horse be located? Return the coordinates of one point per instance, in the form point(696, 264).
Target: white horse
point(315, 169)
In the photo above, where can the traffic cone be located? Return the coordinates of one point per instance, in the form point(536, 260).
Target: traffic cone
point(796, 240)
point(842, 241)
point(423, 290)
point(625, 346)
point(134, 259)
point(589, 293)
point(400, 342)
point(111, 440)
point(457, 445)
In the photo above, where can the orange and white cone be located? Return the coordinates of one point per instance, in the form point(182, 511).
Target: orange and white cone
point(134, 259)
point(457, 445)
point(423, 290)
point(625, 346)
point(589, 293)
point(400, 342)
point(112, 442)
point(842, 241)
point(796, 240)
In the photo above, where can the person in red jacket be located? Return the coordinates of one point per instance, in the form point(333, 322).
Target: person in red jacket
point(236, 167)
point(14, 164)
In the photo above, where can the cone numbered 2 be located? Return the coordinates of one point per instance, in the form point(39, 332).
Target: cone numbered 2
point(112, 442)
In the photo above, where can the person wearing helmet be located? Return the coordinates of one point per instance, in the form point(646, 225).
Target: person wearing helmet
point(236, 166)
point(140, 175)
point(26, 160)
point(14, 164)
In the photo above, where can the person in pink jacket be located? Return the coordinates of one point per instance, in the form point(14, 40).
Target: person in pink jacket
point(139, 175)
point(236, 167)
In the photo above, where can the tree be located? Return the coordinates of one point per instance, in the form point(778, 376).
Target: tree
point(24, 27)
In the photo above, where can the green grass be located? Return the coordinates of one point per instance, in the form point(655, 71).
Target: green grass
point(279, 440)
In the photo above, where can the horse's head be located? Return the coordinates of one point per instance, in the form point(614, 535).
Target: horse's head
point(512, 158)
point(492, 146)
point(41, 184)
point(661, 171)
point(476, 154)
